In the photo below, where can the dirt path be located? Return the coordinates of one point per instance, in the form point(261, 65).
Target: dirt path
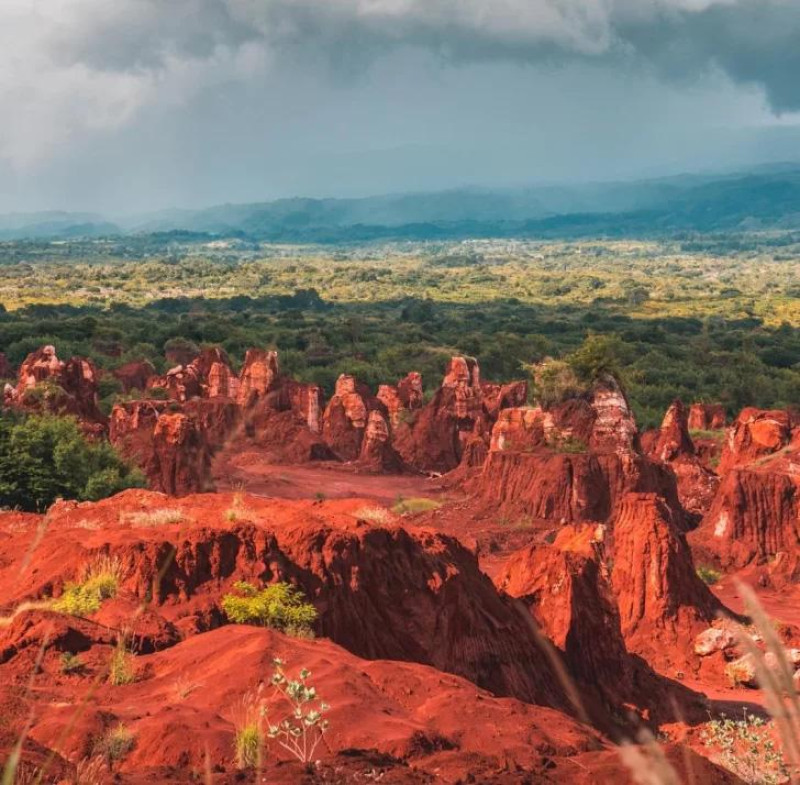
point(309, 481)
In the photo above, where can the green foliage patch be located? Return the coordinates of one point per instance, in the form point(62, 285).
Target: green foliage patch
point(279, 605)
point(44, 457)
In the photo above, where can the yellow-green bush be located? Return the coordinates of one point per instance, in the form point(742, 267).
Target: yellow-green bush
point(279, 605)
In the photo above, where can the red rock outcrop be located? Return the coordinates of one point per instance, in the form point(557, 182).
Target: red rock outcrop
point(209, 375)
point(403, 399)
point(179, 384)
point(663, 603)
point(707, 417)
point(377, 453)
point(173, 448)
point(345, 419)
point(673, 445)
point(754, 435)
point(567, 588)
point(461, 409)
point(45, 383)
point(399, 723)
point(572, 463)
point(135, 375)
point(214, 373)
point(383, 592)
point(258, 376)
point(755, 515)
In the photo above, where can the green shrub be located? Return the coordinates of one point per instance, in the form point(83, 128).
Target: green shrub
point(709, 575)
point(279, 605)
point(100, 582)
point(71, 663)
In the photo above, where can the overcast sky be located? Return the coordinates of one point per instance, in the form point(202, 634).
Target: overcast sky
point(137, 105)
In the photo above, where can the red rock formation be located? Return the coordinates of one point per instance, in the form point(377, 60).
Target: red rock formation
point(345, 419)
point(663, 604)
point(409, 390)
point(135, 375)
point(673, 445)
point(213, 371)
point(394, 594)
point(45, 383)
point(383, 592)
point(403, 399)
point(497, 397)
point(436, 438)
point(173, 448)
point(754, 435)
point(572, 463)
point(755, 515)
point(377, 453)
point(258, 376)
point(707, 417)
point(179, 383)
point(567, 588)
point(673, 440)
point(181, 457)
point(209, 375)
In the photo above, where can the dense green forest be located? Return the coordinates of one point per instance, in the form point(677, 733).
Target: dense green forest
point(703, 317)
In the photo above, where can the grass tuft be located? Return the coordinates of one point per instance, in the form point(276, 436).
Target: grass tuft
point(414, 505)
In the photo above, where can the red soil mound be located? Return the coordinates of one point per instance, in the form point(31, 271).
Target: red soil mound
point(402, 723)
point(381, 590)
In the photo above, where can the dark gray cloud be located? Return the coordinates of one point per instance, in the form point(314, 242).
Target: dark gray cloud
point(162, 100)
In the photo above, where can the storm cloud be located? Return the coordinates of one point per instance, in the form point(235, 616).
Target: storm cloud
point(75, 70)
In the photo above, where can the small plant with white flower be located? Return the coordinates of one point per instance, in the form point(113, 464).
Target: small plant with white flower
point(304, 726)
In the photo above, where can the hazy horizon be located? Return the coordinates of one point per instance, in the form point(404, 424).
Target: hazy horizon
point(143, 105)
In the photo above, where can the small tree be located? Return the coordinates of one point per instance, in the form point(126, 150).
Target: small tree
point(596, 357)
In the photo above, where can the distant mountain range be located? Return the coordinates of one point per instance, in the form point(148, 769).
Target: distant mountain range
point(759, 199)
